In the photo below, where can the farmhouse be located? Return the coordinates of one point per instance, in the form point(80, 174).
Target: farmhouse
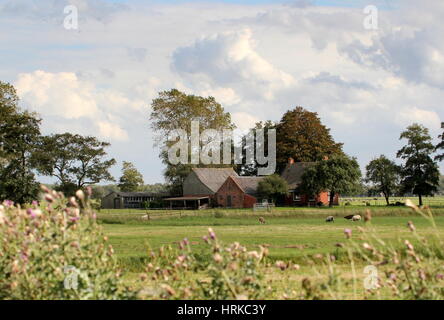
point(223, 187)
point(129, 200)
point(293, 175)
point(238, 192)
point(200, 187)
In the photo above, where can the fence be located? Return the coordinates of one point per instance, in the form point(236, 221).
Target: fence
point(263, 206)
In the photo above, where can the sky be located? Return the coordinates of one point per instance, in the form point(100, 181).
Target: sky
point(258, 59)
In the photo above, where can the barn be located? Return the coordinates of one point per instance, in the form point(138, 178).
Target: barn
point(129, 200)
point(238, 192)
point(200, 187)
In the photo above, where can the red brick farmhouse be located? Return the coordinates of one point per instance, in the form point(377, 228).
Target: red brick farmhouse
point(293, 175)
point(223, 187)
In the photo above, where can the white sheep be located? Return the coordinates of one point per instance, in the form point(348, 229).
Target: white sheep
point(330, 219)
point(356, 218)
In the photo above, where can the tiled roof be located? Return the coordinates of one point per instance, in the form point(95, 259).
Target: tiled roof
point(248, 184)
point(213, 178)
point(293, 173)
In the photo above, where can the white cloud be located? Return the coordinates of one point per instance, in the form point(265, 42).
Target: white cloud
point(64, 96)
point(427, 118)
point(257, 60)
point(60, 94)
point(111, 130)
point(229, 58)
point(243, 120)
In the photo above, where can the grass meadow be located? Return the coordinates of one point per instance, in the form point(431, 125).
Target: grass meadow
point(291, 234)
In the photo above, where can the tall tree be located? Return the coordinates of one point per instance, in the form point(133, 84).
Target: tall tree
point(272, 187)
point(420, 173)
point(339, 174)
point(19, 133)
point(440, 146)
point(173, 110)
point(251, 169)
point(131, 179)
point(75, 160)
point(384, 175)
point(302, 136)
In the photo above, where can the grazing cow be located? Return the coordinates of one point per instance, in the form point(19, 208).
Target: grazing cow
point(349, 217)
point(356, 218)
point(330, 219)
point(261, 220)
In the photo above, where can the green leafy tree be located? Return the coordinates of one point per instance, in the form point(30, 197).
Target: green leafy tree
point(384, 175)
point(75, 160)
point(301, 135)
point(420, 173)
point(440, 146)
point(272, 187)
point(173, 110)
point(155, 188)
point(131, 179)
point(19, 133)
point(99, 191)
point(339, 174)
point(251, 169)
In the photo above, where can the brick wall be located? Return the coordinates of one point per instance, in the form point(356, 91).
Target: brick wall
point(238, 198)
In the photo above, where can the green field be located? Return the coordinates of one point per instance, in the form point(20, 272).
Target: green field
point(293, 235)
point(290, 233)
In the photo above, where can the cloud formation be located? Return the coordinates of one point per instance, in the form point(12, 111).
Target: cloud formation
point(257, 60)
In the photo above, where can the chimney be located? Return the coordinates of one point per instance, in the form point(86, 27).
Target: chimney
point(290, 160)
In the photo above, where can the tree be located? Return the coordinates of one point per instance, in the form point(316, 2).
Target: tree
point(384, 175)
point(75, 160)
point(173, 110)
point(420, 173)
point(19, 133)
point(301, 135)
point(251, 169)
point(440, 157)
point(131, 179)
point(339, 174)
point(272, 187)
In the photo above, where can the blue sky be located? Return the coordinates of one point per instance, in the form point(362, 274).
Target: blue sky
point(257, 58)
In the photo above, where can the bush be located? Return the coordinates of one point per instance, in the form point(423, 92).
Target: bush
point(56, 251)
point(225, 272)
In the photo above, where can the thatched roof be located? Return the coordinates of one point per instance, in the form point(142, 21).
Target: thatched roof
point(213, 178)
point(293, 173)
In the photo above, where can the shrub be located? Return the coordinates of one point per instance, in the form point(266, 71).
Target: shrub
point(56, 251)
point(220, 272)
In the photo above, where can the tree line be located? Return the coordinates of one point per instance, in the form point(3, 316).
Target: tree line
point(76, 161)
point(301, 135)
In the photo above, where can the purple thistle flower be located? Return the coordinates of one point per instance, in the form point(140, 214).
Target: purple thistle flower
point(31, 212)
point(8, 203)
